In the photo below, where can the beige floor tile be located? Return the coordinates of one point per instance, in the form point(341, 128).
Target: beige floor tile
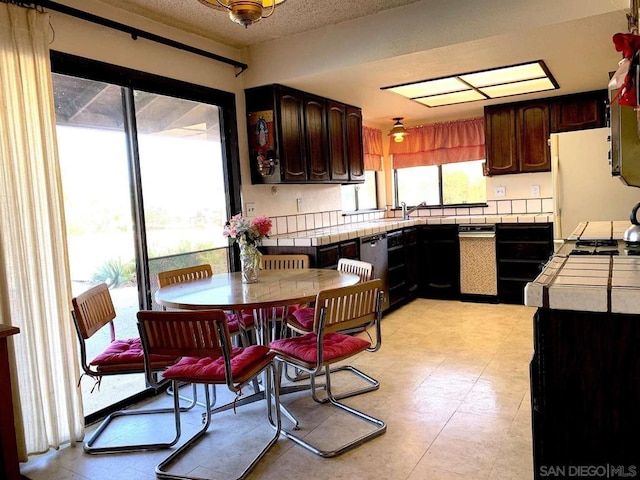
point(454, 393)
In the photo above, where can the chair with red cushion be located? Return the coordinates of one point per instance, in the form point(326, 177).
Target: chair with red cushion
point(301, 321)
point(203, 341)
point(237, 326)
point(93, 310)
point(336, 310)
point(278, 262)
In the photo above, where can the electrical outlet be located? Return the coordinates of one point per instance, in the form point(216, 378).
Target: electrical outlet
point(299, 204)
point(251, 209)
point(500, 191)
point(535, 190)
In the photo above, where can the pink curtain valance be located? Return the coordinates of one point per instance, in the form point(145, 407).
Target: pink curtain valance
point(372, 145)
point(440, 143)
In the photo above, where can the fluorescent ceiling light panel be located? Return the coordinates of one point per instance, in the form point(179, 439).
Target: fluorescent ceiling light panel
point(450, 98)
point(528, 86)
point(469, 87)
point(505, 75)
point(430, 87)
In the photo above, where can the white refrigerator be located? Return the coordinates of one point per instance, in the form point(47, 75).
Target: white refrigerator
point(583, 187)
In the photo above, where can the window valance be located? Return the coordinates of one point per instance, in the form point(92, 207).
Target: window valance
point(372, 145)
point(440, 143)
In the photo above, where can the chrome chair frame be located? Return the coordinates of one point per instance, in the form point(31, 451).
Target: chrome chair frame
point(93, 310)
point(203, 334)
point(365, 271)
point(336, 310)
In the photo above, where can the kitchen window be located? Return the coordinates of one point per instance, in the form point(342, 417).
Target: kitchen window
point(362, 196)
point(441, 185)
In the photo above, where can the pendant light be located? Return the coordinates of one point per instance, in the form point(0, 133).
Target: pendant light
point(245, 12)
point(398, 132)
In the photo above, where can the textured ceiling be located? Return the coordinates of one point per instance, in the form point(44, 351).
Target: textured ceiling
point(288, 20)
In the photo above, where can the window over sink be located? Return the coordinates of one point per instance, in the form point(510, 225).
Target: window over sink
point(441, 185)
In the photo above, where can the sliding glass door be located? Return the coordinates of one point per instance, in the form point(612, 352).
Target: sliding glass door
point(147, 187)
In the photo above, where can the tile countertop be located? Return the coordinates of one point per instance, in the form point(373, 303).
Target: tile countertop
point(348, 231)
point(589, 283)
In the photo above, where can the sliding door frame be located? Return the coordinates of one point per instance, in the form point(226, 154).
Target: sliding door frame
point(72, 65)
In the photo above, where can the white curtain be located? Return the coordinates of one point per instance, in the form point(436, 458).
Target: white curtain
point(34, 271)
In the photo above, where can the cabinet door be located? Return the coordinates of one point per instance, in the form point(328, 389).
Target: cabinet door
point(532, 130)
point(327, 256)
point(500, 140)
point(354, 144)
point(349, 249)
point(577, 112)
point(316, 138)
point(439, 275)
point(292, 149)
point(338, 141)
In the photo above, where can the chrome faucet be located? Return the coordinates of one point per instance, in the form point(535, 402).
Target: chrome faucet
point(406, 212)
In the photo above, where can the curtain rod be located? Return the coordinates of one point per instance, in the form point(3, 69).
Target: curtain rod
point(134, 32)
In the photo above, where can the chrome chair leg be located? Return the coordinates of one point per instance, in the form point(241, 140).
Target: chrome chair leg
point(380, 425)
point(89, 444)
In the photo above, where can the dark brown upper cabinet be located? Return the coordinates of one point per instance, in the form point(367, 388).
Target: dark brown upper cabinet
point(500, 140)
point(293, 160)
point(338, 140)
point(298, 137)
point(354, 144)
point(532, 133)
point(579, 111)
point(315, 128)
point(517, 134)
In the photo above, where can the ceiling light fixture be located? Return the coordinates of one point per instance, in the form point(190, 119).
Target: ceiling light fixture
point(245, 12)
point(483, 85)
point(398, 132)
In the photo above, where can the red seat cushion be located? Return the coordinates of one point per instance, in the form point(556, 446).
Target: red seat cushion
point(336, 346)
point(232, 322)
point(302, 318)
point(245, 362)
point(247, 320)
point(126, 353)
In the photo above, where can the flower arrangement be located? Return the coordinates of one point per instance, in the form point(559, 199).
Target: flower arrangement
point(247, 232)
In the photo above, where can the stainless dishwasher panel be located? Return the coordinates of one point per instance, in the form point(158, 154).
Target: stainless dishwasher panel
point(478, 268)
point(373, 249)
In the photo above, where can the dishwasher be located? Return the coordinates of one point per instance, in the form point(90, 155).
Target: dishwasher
point(373, 250)
point(478, 268)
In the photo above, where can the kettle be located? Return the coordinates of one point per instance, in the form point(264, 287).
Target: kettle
point(632, 234)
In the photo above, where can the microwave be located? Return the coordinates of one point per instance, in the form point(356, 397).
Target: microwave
point(625, 142)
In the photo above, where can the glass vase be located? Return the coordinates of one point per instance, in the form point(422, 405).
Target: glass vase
point(249, 262)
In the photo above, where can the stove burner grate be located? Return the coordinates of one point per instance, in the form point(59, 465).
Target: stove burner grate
point(597, 242)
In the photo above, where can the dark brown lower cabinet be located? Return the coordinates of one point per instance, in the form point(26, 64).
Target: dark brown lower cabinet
point(522, 249)
point(585, 394)
point(439, 262)
point(326, 256)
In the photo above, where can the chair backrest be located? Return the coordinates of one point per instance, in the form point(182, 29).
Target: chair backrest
point(348, 307)
point(284, 262)
point(182, 275)
point(201, 333)
point(92, 310)
point(363, 269)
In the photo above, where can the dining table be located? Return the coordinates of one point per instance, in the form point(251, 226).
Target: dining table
point(274, 288)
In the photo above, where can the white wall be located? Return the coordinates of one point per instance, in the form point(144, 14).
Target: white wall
point(518, 186)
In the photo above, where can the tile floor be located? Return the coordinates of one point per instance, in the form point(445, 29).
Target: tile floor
point(454, 393)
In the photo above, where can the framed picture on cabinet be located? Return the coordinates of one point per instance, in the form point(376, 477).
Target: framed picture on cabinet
point(261, 141)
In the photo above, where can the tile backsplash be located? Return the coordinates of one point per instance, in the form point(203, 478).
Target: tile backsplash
point(332, 218)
